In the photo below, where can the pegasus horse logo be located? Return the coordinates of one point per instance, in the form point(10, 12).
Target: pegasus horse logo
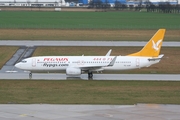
point(156, 45)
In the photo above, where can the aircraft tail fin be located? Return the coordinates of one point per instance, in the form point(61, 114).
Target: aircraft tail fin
point(153, 47)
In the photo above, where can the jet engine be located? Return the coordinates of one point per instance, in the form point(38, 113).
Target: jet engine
point(73, 71)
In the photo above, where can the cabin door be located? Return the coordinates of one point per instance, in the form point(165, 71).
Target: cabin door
point(34, 62)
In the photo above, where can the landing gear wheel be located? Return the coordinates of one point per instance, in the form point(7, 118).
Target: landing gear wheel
point(90, 75)
point(30, 75)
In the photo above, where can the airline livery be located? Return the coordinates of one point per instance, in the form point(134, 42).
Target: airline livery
point(76, 65)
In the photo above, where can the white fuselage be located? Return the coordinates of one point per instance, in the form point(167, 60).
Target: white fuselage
point(93, 63)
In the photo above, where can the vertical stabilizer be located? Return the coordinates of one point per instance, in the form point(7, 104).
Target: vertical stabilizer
point(153, 47)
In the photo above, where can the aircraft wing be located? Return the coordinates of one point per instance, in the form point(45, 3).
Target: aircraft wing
point(97, 67)
point(113, 61)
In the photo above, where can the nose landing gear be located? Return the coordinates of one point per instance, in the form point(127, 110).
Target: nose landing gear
point(30, 75)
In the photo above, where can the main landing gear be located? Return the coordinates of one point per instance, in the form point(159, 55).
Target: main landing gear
point(90, 75)
point(30, 75)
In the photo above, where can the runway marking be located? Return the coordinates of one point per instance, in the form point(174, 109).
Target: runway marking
point(23, 115)
point(11, 71)
point(105, 115)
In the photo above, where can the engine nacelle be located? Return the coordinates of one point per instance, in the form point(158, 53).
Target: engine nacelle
point(73, 71)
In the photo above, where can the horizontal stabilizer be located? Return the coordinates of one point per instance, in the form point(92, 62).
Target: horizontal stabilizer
point(158, 58)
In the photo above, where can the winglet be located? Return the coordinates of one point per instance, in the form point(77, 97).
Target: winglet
point(153, 47)
point(113, 61)
point(109, 52)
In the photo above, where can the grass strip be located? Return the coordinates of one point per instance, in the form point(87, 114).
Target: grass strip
point(6, 53)
point(168, 65)
point(88, 20)
point(89, 92)
point(84, 35)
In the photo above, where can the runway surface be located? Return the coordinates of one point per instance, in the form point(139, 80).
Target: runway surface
point(80, 43)
point(89, 112)
point(58, 76)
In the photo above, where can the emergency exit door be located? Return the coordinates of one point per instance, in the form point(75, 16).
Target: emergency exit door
point(137, 62)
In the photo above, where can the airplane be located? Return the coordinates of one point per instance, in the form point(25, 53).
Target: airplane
point(75, 65)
